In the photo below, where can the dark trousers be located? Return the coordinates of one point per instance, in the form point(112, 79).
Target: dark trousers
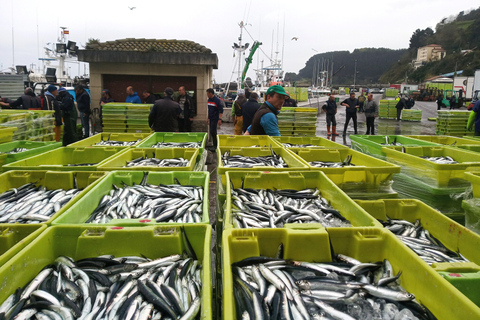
point(331, 120)
point(370, 125)
point(213, 131)
point(352, 116)
point(439, 106)
point(184, 125)
point(399, 113)
point(85, 124)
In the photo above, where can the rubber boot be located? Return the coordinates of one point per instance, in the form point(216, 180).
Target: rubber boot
point(328, 131)
point(334, 131)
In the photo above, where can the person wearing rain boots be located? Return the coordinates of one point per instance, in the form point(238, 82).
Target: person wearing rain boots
point(371, 112)
point(330, 108)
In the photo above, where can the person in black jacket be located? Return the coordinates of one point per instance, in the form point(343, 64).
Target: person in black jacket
point(69, 114)
point(164, 114)
point(83, 105)
point(410, 102)
point(26, 101)
point(249, 109)
point(439, 101)
point(352, 105)
point(189, 110)
point(330, 108)
point(149, 97)
point(402, 103)
point(52, 104)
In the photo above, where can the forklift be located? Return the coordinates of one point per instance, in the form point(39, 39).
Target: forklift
point(447, 95)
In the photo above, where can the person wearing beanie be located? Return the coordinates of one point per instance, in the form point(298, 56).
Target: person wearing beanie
point(237, 114)
point(69, 114)
point(164, 114)
point(52, 104)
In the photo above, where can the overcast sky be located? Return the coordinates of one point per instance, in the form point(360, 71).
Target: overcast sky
point(319, 25)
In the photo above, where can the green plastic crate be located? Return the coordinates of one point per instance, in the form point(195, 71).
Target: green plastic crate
point(15, 237)
point(298, 181)
point(364, 244)
point(246, 141)
point(81, 242)
point(438, 175)
point(175, 137)
point(447, 140)
point(367, 170)
point(84, 207)
point(119, 161)
point(34, 148)
point(91, 141)
point(472, 214)
point(60, 158)
point(464, 277)
point(318, 142)
point(372, 145)
point(294, 163)
point(139, 130)
point(452, 234)
point(6, 133)
point(52, 180)
point(474, 178)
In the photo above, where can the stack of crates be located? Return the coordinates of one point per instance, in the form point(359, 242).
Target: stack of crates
point(453, 123)
point(30, 125)
point(300, 121)
point(387, 110)
point(137, 118)
point(411, 115)
point(472, 206)
point(115, 117)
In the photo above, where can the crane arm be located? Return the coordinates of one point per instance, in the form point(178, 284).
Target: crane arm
point(249, 60)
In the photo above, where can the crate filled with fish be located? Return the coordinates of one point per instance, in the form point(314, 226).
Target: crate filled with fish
point(65, 159)
point(346, 166)
point(17, 150)
point(433, 236)
point(275, 200)
point(438, 166)
point(352, 273)
point(152, 159)
point(258, 141)
point(372, 145)
point(446, 140)
point(79, 272)
point(411, 115)
point(471, 205)
point(103, 140)
point(264, 159)
point(33, 197)
point(308, 142)
point(141, 198)
point(175, 140)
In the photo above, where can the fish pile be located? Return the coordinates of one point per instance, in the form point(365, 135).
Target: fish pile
point(290, 145)
point(16, 150)
point(81, 164)
point(328, 164)
point(274, 288)
point(154, 162)
point(110, 288)
point(113, 143)
point(251, 162)
point(272, 209)
point(394, 143)
point(177, 145)
point(414, 236)
point(164, 203)
point(441, 160)
point(32, 204)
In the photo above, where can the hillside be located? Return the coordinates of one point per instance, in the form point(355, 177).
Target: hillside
point(371, 64)
point(454, 34)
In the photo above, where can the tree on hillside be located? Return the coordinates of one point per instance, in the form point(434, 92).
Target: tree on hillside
point(420, 38)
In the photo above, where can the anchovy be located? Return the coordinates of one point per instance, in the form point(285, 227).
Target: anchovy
point(81, 164)
point(441, 160)
point(301, 290)
point(413, 235)
point(154, 162)
point(112, 143)
point(177, 145)
point(328, 164)
point(238, 161)
point(15, 150)
point(32, 204)
point(307, 145)
point(140, 293)
point(162, 203)
point(394, 143)
point(255, 208)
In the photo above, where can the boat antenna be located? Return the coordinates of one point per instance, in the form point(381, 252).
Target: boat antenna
point(13, 39)
point(283, 45)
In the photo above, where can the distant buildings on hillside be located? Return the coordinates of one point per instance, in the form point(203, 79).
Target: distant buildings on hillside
point(426, 54)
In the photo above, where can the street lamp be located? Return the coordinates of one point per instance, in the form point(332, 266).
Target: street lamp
point(355, 75)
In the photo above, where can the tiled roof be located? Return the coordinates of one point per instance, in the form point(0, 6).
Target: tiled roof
point(150, 45)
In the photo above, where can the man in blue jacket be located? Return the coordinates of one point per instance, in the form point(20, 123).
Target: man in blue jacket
point(132, 96)
point(265, 120)
point(215, 113)
point(474, 119)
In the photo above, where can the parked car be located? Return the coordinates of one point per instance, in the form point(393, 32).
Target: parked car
point(374, 91)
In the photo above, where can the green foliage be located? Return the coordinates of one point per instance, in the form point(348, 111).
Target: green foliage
point(420, 38)
point(90, 42)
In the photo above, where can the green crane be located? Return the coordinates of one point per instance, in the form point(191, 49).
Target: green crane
point(248, 61)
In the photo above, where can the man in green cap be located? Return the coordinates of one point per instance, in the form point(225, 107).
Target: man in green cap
point(265, 120)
